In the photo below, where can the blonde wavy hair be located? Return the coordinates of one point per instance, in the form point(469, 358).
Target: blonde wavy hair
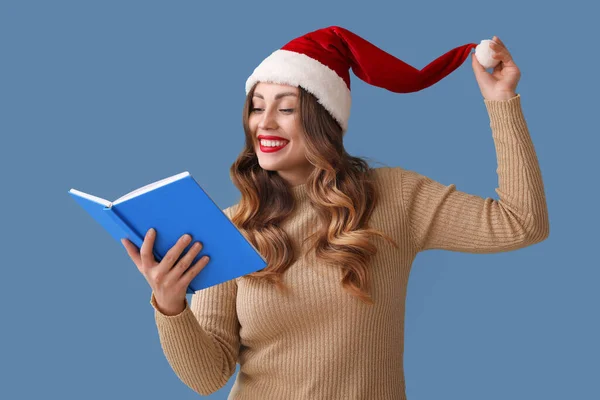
point(340, 189)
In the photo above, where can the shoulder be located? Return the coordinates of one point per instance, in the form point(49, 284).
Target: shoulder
point(386, 177)
point(399, 176)
point(385, 171)
point(387, 181)
point(399, 182)
point(229, 211)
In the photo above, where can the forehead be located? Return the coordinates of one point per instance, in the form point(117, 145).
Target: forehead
point(268, 90)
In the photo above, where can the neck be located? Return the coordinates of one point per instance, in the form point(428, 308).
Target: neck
point(299, 192)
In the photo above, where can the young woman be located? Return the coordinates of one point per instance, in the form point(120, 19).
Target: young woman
point(324, 320)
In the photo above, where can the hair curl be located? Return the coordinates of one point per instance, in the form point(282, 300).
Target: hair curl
point(340, 189)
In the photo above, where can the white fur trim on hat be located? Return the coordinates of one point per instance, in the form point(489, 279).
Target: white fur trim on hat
point(296, 69)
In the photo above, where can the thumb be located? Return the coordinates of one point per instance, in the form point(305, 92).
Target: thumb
point(481, 74)
point(477, 67)
point(132, 251)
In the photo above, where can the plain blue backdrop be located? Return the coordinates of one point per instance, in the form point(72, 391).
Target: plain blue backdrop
point(107, 96)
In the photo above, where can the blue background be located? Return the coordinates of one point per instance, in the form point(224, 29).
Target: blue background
point(108, 96)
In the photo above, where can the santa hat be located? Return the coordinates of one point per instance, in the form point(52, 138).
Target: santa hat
point(320, 63)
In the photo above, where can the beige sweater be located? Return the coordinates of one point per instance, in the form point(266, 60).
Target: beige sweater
point(322, 343)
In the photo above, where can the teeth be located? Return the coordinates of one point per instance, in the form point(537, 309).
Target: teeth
point(272, 143)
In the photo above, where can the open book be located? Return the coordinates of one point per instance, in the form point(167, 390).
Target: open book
point(175, 206)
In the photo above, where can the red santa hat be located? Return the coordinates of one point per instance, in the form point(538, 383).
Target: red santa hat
point(320, 63)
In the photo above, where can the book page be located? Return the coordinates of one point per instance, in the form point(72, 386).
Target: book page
point(93, 198)
point(150, 187)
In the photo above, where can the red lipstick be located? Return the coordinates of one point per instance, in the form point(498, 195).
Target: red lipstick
point(269, 137)
point(271, 149)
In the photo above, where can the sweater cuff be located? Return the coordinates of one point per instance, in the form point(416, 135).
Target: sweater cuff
point(499, 109)
point(508, 121)
point(160, 314)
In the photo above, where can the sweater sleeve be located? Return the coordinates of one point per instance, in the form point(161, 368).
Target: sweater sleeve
point(441, 217)
point(202, 342)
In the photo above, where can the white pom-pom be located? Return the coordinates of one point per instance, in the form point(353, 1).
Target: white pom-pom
point(484, 53)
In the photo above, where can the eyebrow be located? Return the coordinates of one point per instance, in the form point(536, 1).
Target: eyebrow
point(277, 96)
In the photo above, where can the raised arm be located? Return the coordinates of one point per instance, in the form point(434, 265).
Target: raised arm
point(202, 342)
point(441, 217)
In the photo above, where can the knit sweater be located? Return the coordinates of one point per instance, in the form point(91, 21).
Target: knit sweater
point(320, 342)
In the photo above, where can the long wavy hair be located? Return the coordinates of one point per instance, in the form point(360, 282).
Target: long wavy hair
point(340, 189)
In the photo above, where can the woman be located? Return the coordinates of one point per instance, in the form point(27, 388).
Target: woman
point(324, 320)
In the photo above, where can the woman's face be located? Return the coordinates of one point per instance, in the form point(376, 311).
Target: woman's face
point(275, 115)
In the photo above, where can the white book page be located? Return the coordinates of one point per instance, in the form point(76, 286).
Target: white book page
point(95, 199)
point(150, 187)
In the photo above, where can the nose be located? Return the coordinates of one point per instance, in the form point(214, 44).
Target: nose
point(267, 120)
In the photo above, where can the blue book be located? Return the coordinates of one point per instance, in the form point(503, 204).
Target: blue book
point(175, 206)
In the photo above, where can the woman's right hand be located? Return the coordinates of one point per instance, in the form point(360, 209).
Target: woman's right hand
point(169, 280)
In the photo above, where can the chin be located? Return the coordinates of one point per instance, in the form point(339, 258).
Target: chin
point(267, 166)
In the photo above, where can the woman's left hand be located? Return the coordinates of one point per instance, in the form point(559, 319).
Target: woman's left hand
point(501, 84)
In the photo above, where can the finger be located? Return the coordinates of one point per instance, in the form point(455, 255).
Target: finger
point(146, 252)
point(497, 40)
point(186, 261)
point(191, 273)
point(132, 251)
point(498, 68)
point(174, 253)
point(498, 46)
point(503, 55)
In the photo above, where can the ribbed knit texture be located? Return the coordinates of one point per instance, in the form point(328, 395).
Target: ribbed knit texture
point(319, 342)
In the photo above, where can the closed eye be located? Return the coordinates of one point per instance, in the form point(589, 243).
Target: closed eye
point(287, 110)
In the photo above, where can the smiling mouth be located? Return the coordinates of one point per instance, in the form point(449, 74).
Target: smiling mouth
point(271, 149)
